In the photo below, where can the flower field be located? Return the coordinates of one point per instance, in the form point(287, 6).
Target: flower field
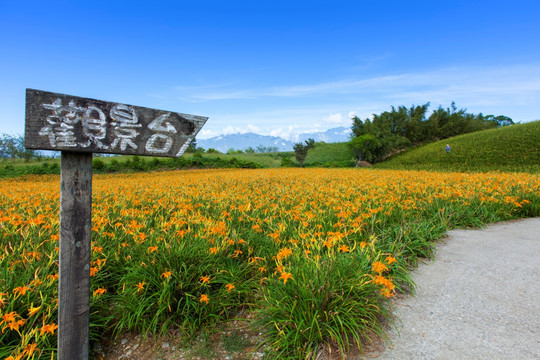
point(314, 253)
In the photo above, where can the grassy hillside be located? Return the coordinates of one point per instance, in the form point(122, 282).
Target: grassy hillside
point(269, 160)
point(511, 148)
point(331, 155)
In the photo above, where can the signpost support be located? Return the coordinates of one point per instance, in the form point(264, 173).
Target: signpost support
point(79, 127)
point(74, 265)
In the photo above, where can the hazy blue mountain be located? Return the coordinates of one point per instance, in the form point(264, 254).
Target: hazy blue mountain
point(339, 134)
point(239, 141)
point(223, 143)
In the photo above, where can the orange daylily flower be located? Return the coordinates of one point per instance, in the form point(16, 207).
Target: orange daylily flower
point(48, 329)
point(9, 317)
point(21, 289)
point(100, 291)
point(283, 253)
point(140, 286)
point(14, 325)
point(285, 276)
point(3, 300)
point(93, 271)
point(30, 349)
point(204, 298)
point(379, 267)
point(18, 357)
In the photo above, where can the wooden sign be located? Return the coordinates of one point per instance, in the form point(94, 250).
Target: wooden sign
point(79, 127)
point(70, 123)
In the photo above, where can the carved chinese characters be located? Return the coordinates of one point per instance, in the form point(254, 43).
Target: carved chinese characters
point(64, 122)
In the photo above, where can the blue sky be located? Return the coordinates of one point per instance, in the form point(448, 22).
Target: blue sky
point(274, 67)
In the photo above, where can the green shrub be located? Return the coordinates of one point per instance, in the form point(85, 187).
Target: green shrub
point(98, 164)
point(286, 162)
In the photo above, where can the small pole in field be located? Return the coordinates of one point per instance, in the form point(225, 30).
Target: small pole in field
point(74, 264)
point(79, 127)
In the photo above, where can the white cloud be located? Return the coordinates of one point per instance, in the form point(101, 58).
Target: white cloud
point(253, 128)
point(509, 90)
point(234, 130)
point(287, 133)
point(336, 118)
point(480, 82)
point(205, 134)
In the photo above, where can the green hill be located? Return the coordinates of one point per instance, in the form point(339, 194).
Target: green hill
point(330, 155)
point(510, 148)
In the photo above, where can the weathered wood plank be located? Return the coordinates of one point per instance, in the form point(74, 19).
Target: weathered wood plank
point(71, 123)
point(74, 265)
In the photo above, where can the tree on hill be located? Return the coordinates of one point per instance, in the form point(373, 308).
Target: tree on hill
point(366, 148)
point(301, 150)
point(501, 120)
point(404, 127)
point(192, 146)
point(12, 147)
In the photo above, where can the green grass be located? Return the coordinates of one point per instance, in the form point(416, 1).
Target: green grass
point(510, 149)
point(330, 155)
point(267, 160)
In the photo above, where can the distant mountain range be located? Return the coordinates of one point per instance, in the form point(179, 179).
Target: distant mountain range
point(243, 141)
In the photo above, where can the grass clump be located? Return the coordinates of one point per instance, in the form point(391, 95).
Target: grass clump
point(332, 301)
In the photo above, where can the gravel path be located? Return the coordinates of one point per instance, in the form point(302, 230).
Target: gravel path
point(478, 299)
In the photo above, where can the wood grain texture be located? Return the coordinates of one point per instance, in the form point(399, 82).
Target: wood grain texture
point(74, 265)
point(71, 123)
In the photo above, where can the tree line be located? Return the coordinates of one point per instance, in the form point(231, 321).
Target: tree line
point(12, 147)
point(391, 131)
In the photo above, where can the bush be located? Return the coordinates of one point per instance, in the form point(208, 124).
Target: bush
point(286, 162)
point(330, 302)
point(98, 165)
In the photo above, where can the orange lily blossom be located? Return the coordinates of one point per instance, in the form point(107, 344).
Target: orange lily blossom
point(21, 289)
point(30, 349)
point(140, 286)
point(285, 276)
point(48, 329)
point(379, 267)
point(390, 260)
point(100, 291)
point(344, 248)
point(9, 317)
point(204, 298)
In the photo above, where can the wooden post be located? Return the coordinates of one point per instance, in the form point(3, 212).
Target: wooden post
point(79, 127)
point(74, 267)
